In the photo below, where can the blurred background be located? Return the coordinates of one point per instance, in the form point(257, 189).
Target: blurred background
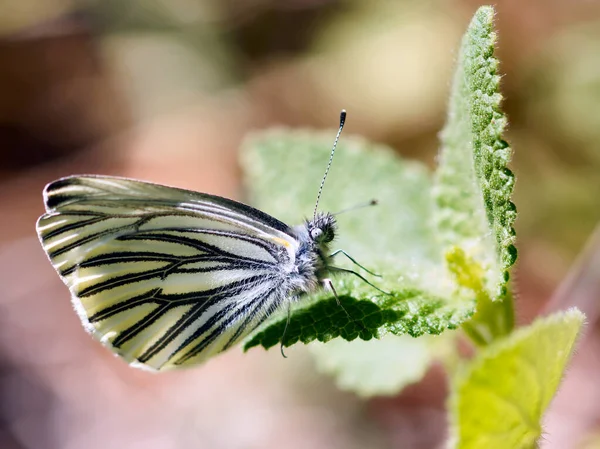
point(165, 90)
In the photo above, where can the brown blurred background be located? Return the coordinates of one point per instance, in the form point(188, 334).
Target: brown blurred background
point(165, 90)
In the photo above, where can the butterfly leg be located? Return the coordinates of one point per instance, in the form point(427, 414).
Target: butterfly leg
point(287, 323)
point(358, 275)
point(335, 253)
point(329, 286)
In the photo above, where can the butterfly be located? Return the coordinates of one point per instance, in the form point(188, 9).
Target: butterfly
point(166, 277)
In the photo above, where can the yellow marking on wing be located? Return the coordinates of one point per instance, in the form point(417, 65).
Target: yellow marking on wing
point(281, 241)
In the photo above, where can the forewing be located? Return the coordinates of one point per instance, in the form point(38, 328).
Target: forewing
point(164, 277)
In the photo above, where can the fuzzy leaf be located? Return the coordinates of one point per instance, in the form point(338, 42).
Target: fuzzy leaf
point(500, 397)
point(493, 319)
point(473, 184)
point(284, 169)
point(371, 368)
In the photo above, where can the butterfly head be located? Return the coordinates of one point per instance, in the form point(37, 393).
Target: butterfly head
point(322, 228)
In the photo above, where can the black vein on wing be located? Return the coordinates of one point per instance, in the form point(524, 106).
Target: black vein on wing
point(239, 311)
point(74, 226)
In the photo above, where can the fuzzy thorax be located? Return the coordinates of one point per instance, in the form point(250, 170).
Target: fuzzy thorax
point(311, 265)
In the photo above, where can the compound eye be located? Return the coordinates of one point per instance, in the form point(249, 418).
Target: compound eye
point(315, 233)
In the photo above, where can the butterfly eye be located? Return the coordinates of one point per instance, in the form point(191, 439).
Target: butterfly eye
point(315, 233)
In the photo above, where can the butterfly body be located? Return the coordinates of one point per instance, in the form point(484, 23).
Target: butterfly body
point(311, 264)
point(167, 277)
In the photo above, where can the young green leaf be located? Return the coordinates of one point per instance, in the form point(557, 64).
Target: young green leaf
point(493, 319)
point(499, 398)
point(283, 170)
point(473, 184)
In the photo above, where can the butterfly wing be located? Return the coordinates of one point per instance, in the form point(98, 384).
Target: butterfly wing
point(164, 277)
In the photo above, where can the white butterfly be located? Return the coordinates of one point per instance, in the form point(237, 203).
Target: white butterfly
point(167, 277)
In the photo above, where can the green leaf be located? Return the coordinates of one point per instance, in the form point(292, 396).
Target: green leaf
point(493, 319)
point(370, 368)
point(500, 397)
point(473, 184)
point(283, 171)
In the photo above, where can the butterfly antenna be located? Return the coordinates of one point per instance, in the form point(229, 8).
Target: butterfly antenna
point(342, 121)
point(373, 202)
